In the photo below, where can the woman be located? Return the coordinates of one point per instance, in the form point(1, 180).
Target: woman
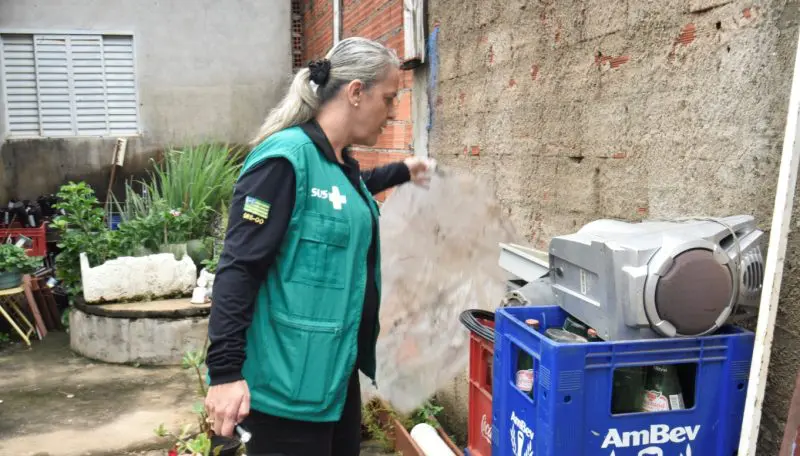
point(297, 290)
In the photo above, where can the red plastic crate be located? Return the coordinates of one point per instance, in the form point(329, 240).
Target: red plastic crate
point(37, 235)
point(479, 429)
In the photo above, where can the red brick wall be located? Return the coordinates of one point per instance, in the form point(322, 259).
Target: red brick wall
point(317, 28)
point(380, 20)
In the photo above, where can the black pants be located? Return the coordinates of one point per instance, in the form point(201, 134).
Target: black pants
point(275, 436)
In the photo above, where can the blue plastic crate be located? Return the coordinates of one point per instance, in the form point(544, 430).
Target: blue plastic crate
point(570, 413)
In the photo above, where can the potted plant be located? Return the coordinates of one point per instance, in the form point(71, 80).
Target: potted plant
point(14, 262)
point(392, 430)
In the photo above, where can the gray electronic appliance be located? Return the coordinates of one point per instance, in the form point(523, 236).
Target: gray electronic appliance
point(658, 278)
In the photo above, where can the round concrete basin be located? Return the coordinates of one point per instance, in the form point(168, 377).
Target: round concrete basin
point(156, 333)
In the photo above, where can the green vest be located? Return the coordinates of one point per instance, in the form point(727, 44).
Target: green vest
point(301, 345)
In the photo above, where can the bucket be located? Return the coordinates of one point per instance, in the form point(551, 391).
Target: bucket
point(10, 280)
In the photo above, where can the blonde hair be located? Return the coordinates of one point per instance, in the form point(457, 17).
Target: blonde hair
point(351, 59)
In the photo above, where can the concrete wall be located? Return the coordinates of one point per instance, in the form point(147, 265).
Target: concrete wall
point(205, 70)
point(628, 109)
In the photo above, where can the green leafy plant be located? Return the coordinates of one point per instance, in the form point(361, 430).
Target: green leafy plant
point(14, 259)
point(426, 414)
point(191, 440)
point(370, 412)
point(378, 431)
point(194, 177)
point(82, 229)
point(197, 181)
point(212, 263)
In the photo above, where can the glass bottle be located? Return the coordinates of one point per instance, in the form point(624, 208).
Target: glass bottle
point(575, 326)
point(662, 390)
point(628, 389)
point(524, 377)
point(592, 336)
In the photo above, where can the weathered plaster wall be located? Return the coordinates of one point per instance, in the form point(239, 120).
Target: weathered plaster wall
point(628, 109)
point(205, 71)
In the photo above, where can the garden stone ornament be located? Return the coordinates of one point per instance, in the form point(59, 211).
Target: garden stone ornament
point(440, 252)
point(131, 278)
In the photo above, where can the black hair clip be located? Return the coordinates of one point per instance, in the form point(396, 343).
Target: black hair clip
point(320, 71)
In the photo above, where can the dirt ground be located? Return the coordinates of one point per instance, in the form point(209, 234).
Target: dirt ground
point(54, 402)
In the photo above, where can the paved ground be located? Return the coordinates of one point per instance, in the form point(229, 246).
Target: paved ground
point(56, 403)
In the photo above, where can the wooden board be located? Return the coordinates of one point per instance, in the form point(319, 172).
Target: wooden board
point(773, 274)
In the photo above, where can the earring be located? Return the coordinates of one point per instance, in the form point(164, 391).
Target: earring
point(356, 104)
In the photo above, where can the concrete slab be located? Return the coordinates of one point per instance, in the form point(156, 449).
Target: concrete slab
point(162, 308)
point(57, 403)
point(53, 402)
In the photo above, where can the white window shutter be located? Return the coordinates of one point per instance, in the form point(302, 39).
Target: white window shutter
point(121, 84)
point(19, 75)
point(69, 85)
point(53, 80)
point(89, 84)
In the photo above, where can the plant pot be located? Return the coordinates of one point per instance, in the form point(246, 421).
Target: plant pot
point(140, 251)
point(179, 249)
point(10, 280)
point(229, 446)
point(401, 438)
point(197, 251)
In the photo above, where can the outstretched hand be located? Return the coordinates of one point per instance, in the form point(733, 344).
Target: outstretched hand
point(420, 169)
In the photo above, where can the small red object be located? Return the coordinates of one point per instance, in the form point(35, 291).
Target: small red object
point(37, 235)
point(481, 360)
point(173, 452)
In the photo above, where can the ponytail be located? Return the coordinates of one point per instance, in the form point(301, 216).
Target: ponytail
point(298, 106)
point(351, 59)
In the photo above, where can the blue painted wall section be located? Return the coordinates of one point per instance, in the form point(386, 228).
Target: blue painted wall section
point(433, 70)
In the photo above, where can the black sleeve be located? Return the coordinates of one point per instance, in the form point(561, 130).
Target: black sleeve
point(385, 177)
point(259, 214)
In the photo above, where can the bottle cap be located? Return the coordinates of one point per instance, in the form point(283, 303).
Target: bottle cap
point(532, 322)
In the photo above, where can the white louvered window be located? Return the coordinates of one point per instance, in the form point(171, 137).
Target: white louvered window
point(69, 85)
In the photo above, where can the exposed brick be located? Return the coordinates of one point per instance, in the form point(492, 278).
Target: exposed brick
point(512, 83)
point(369, 159)
point(747, 13)
point(396, 135)
point(491, 55)
point(613, 62)
point(407, 80)
point(687, 35)
point(403, 111)
point(534, 71)
point(619, 155)
point(475, 151)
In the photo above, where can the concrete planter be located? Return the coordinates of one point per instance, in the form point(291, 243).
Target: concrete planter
point(137, 278)
point(151, 333)
point(401, 438)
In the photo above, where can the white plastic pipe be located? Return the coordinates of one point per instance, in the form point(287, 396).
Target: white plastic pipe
point(428, 440)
